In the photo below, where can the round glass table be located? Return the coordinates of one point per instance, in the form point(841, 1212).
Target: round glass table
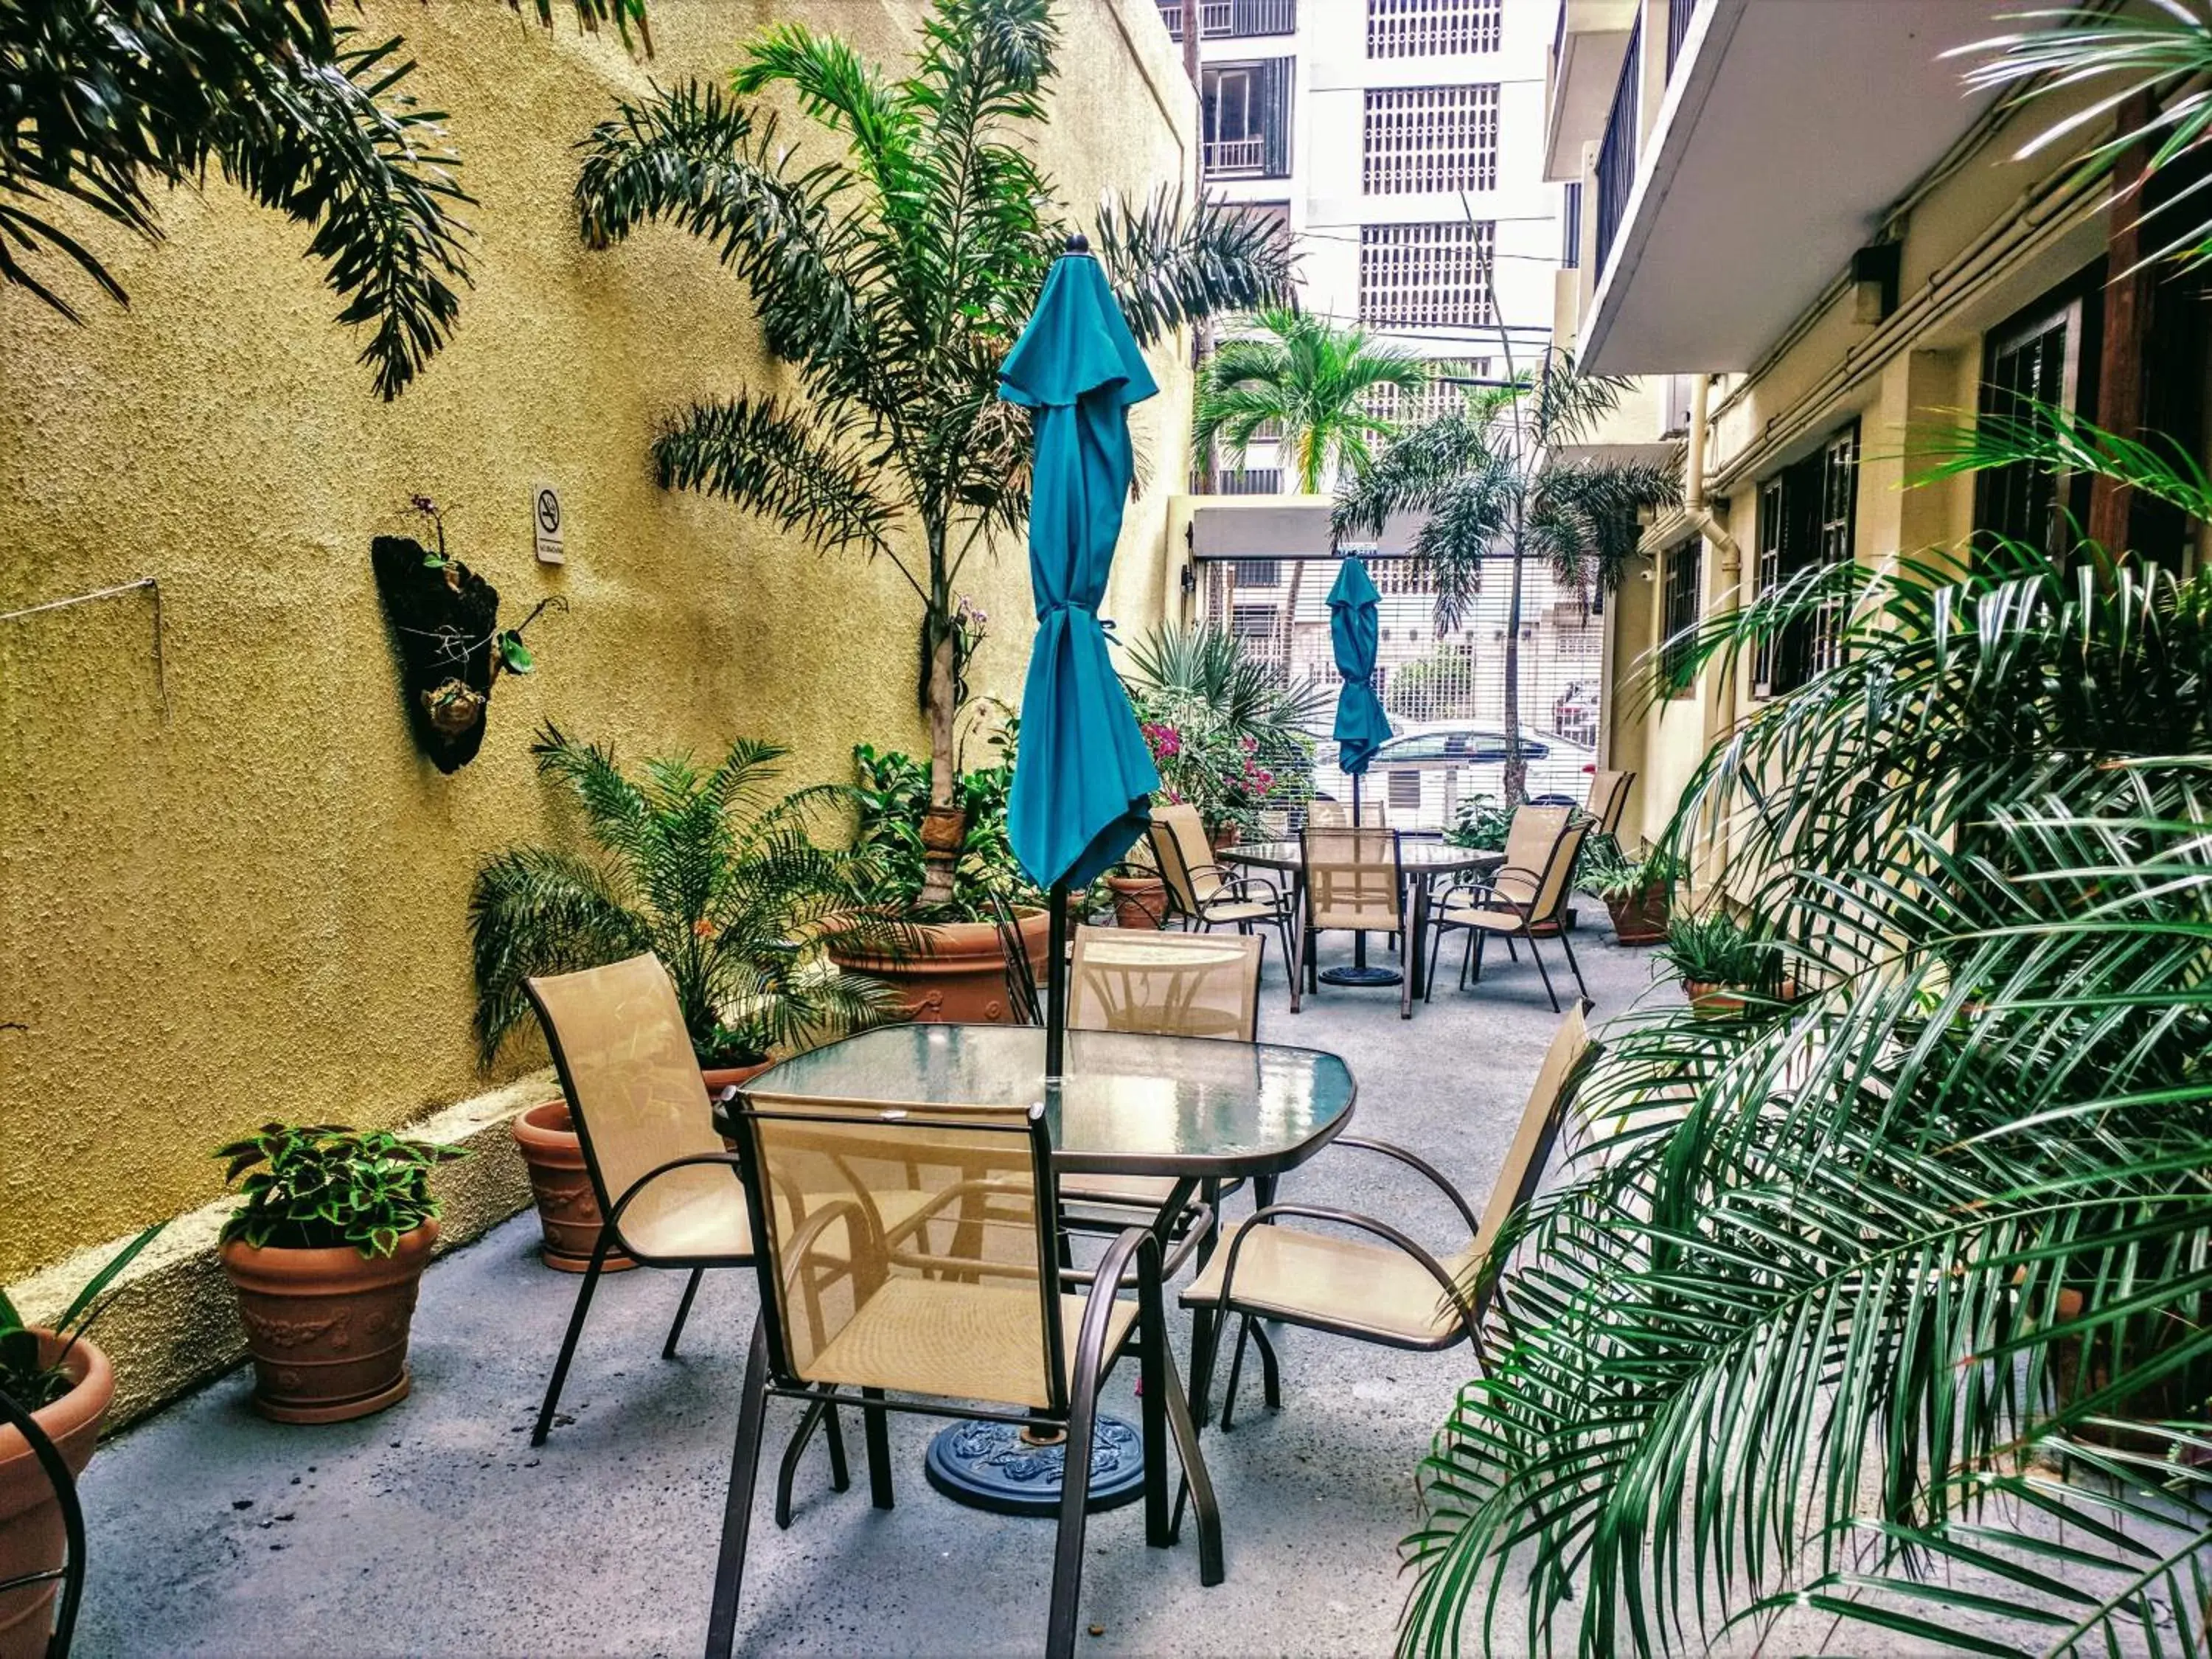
point(1196, 1109)
point(1422, 862)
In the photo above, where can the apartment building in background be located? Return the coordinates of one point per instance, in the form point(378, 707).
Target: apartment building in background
point(1401, 142)
point(1811, 242)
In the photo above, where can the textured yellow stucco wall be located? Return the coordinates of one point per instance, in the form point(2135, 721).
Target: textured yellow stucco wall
point(250, 905)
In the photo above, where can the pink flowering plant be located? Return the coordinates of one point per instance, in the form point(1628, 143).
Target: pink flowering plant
point(1229, 732)
point(1223, 773)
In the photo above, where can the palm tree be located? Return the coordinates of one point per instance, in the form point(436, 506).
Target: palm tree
point(1311, 381)
point(1888, 1308)
point(1492, 482)
point(106, 100)
point(893, 275)
point(712, 871)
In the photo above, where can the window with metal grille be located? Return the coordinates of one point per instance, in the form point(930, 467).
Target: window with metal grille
point(1433, 28)
point(1254, 621)
point(1397, 578)
point(1258, 573)
point(1426, 139)
point(1678, 606)
point(2033, 361)
point(1249, 481)
point(1246, 108)
point(1808, 518)
point(1570, 227)
point(1237, 18)
point(1427, 275)
point(1448, 384)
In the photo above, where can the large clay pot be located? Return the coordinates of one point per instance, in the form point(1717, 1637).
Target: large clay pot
point(1639, 918)
point(1710, 1001)
point(1139, 902)
point(31, 1534)
point(955, 973)
point(718, 1078)
point(328, 1329)
point(567, 1208)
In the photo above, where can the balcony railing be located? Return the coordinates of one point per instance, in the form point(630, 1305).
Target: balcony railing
point(1616, 157)
point(1236, 20)
point(1679, 14)
point(1232, 158)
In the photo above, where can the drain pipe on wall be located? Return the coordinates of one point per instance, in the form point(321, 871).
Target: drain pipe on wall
point(1720, 713)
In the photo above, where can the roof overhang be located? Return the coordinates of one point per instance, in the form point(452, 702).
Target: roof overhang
point(1280, 527)
point(1585, 68)
point(1789, 130)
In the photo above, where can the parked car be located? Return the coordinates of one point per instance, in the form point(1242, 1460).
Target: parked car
point(1422, 775)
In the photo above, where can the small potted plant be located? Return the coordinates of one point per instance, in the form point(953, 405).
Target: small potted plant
point(1723, 965)
point(66, 1384)
point(1483, 823)
point(326, 1253)
point(1637, 893)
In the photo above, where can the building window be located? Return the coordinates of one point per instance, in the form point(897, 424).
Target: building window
point(1433, 28)
point(1249, 481)
point(1246, 111)
point(1254, 621)
point(1428, 139)
point(1450, 379)
point(1400, 576)
point(1808, 518)
point(1427, 276)
point(1571, 227)
point(1234, 19)
point(1258, 573)
point(2036, 359)
point(1679, 607)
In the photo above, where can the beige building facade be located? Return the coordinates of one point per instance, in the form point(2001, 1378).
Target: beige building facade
point(1813, 244)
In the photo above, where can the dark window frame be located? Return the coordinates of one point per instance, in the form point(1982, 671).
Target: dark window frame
point(1680, 578)
point(1807, 517)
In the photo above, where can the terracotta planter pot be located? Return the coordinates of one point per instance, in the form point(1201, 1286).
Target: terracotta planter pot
point(1223, 838)
point(567, 1208)
point(1712, 1002)
point(1640, 918)
point(31, 1534)
point(1139, 902)
point(328, 1329)
point(956, 973)
point(718, 1078)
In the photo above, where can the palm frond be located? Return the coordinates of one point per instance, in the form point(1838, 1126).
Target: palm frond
point(531, 912)
point(1169, 267)
point(2052, 440)
point(786, 464)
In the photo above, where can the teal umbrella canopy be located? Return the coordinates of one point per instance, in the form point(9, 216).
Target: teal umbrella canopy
point(1083, 778)
point(1354, 631)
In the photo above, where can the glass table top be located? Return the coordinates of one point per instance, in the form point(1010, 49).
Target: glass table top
point(1416, 856)
point(1131, 1103)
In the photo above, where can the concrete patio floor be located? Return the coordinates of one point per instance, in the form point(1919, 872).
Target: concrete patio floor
point(435, 1528)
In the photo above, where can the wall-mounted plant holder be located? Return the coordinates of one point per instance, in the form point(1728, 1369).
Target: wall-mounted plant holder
point(444, 619)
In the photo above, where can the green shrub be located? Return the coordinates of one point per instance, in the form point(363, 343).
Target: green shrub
point(317, 1187)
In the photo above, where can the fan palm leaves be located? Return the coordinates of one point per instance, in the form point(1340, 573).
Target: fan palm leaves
point(894, 266)
point(1879, 1318)
point(103, 102)
point(1311, 382)
point(1489, 481)
point(711, 870)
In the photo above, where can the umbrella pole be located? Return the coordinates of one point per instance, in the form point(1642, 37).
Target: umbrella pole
point(1055, 983)
point(1359, 822)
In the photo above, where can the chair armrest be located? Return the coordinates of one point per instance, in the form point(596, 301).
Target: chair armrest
point(1490, 887)
point(1414, 1162)
point(1242, 889)
point(734, 1160)
point(1200, 1223)
point(1090, 1355)
point(1367, 1224)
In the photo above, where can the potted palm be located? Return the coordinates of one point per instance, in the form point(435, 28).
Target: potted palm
point(1637, 893)
point(327, 1253)
point(1723, 965)
point(928, 233)
point(713, 870)
point(66, 1384)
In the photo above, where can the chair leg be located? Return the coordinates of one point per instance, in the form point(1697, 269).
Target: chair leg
point(1074, 1502)
point(1513, 950)
point(1201, 1363)
point(1542, 969)
point(1290, 957)
point(1475, 953)
point(818, 1411)
point(569, 1342)
point(737, 1506)
point(1196, 1484)
point(833, 1430)
point(1235, 1373)
point(877, 1424)
point(1152, 1352)
point(1568, 946)
point(1271, 1375)
point(683, 1313)
point(1435, 949)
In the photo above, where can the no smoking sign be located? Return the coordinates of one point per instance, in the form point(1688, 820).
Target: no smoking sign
point(546, 525)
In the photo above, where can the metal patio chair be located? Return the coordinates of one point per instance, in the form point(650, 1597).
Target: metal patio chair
point(1394, 1292)
point(956, 1309)
point(1608, 801)
point(1353, 881)
point(1527, 893)
point(1204, 895)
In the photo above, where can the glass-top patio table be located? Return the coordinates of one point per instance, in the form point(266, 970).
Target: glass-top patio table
point(1195, 1109)
point(1422, 860)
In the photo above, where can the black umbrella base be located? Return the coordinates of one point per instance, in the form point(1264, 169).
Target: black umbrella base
point(1360, 977)
point(989, 1466)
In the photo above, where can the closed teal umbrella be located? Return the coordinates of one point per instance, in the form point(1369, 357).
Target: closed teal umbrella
point(1083, 778)
point(1362, 727)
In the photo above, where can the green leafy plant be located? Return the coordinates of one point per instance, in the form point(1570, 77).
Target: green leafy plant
point(1308, 380)
point(26, 1379)
point(319, 1186)
point(1227, 731)
point(892, 794)
point(1610, 873)
point(1483, 823)
point(111, 102)
point(1490, 480)
point(894, 271)
point(1718, 949)
point(713, 870)
point(1887, 1325)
